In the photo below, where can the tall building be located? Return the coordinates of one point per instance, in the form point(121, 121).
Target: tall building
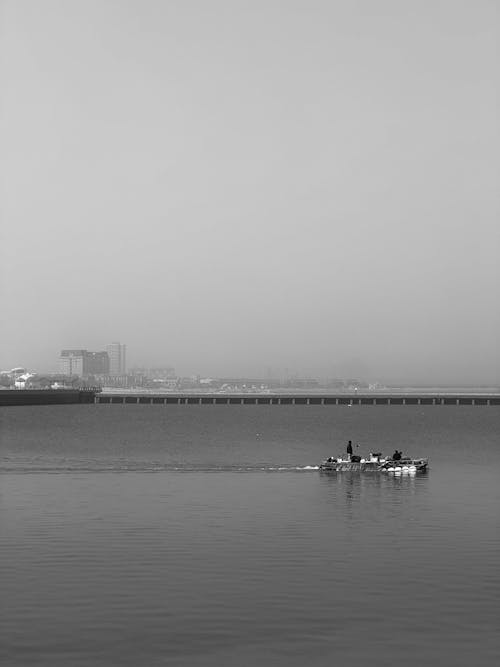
point(117, 359)
point(83, 363)
point(97, 363)
point(71, 362)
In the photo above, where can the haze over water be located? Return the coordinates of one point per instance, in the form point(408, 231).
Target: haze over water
point(229, 187)
point(200, 535)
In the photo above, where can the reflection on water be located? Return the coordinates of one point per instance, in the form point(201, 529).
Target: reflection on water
point(355, 484)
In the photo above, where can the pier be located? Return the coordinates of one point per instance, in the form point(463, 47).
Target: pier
point(126, 398)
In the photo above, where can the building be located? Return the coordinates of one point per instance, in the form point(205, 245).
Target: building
point(117, 359)
point(71, 362)
point(163, 373)
point(115, 381)
point(83, 363)
point(97, 363)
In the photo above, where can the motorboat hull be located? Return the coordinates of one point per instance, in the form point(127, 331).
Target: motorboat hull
point(406, 466)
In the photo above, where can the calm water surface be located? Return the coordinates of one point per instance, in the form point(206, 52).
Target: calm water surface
point(202, 535)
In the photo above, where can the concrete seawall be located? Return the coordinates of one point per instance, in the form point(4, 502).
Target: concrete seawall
point(46, 397)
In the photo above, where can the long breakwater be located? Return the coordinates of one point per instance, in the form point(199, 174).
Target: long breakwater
point(297, 399)
point(127, 397)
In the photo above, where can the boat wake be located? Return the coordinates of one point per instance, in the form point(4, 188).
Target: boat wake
point(13, 466)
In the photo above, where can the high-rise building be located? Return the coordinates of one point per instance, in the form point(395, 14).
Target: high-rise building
point(71, 362)
point(117, 359)
point(97, 363)
point(83, 363)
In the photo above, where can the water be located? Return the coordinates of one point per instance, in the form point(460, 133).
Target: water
point(203, 535)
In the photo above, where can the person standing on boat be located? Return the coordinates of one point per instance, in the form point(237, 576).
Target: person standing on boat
point(349, 450)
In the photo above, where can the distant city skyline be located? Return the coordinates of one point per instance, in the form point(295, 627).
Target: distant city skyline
point(82, 362)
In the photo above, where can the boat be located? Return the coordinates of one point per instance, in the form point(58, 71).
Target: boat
point(375, 462)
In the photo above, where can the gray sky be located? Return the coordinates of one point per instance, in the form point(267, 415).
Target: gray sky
point(228, 186)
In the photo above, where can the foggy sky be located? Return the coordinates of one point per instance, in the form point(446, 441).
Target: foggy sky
point(236, 186)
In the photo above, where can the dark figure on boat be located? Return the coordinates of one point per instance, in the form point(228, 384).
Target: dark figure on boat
point(397, 456)
point(349, 448)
